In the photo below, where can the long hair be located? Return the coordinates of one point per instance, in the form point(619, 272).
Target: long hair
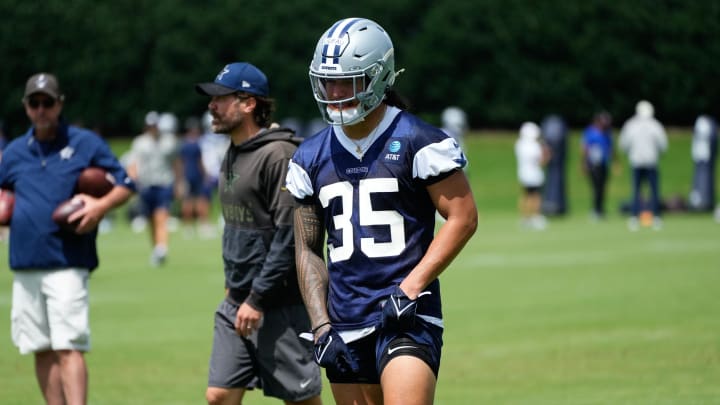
point(395, 99)
point(264, 108)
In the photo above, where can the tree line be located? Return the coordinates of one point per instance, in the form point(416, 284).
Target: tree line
point(503, 61)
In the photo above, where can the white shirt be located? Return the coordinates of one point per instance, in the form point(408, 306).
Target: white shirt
point(154, 159)
point(529, 154)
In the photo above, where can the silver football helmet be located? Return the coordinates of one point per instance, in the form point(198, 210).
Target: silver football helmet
point(354, 49)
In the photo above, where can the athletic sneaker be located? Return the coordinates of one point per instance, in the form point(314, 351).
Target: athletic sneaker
point(633, 224)
point(538, 222)
point(158, 256)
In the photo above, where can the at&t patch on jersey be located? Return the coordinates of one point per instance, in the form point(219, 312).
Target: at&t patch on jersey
point(394, 151)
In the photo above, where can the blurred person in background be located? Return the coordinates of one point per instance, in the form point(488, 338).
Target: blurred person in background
point(643, 139)
point(256, 341)
point(596, 157)
point(155, 166)
point(371, 183)
point(531, 156)
point(455, 124)
point(51, 266)
point(213, 147)
point(704, 155)
point(194, 201)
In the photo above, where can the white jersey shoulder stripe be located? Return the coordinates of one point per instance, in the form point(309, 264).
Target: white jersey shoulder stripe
point(437, 158)
point(298, 182)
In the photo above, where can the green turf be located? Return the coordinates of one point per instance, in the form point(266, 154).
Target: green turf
point(582, 313)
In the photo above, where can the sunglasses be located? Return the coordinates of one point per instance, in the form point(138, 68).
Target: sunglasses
point(46, 103)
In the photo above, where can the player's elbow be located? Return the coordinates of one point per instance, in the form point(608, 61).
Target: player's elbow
point(465, 222)
point(471, 222)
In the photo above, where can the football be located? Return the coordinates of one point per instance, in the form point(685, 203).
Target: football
point(7, 203)
point(63, 212)
point(95, 181)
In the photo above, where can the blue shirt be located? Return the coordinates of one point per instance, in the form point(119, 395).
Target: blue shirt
point(191, 156)
point(42, 175)
point(598, 146)
point(377, 213)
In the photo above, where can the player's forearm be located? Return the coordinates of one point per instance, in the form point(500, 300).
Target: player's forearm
point(313, 281)
point(449, 241)
point(312, 271)
point(117, 196)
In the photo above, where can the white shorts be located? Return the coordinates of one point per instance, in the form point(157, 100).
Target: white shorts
point(50, 310)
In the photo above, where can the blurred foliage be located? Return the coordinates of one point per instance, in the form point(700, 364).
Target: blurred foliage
point(503, 61)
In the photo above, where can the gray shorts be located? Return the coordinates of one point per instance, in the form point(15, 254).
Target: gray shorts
point(273, 358)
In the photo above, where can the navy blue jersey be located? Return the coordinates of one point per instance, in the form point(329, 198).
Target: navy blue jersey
point(376, 211)
point(191, 156)
point(42, 175)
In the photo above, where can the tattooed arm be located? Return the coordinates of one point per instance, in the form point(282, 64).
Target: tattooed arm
point(311, 268)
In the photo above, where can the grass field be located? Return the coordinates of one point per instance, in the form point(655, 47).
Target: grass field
point(582, 313)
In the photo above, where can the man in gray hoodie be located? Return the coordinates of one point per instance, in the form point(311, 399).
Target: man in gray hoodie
point(257, 326)
point(643, 138)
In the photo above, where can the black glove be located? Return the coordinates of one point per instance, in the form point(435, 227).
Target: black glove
point(332, 352)
point(398, 312)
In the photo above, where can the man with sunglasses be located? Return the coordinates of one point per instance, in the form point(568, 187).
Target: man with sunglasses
point(255, 342)
point(49, 315)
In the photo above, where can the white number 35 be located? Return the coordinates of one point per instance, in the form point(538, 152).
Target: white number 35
point(366, 217)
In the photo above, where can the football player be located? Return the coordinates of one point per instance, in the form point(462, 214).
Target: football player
point(371, 183)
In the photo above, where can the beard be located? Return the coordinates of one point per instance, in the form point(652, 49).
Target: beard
point(226, 125)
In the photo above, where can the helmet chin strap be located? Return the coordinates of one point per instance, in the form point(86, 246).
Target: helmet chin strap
point(347, 116)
